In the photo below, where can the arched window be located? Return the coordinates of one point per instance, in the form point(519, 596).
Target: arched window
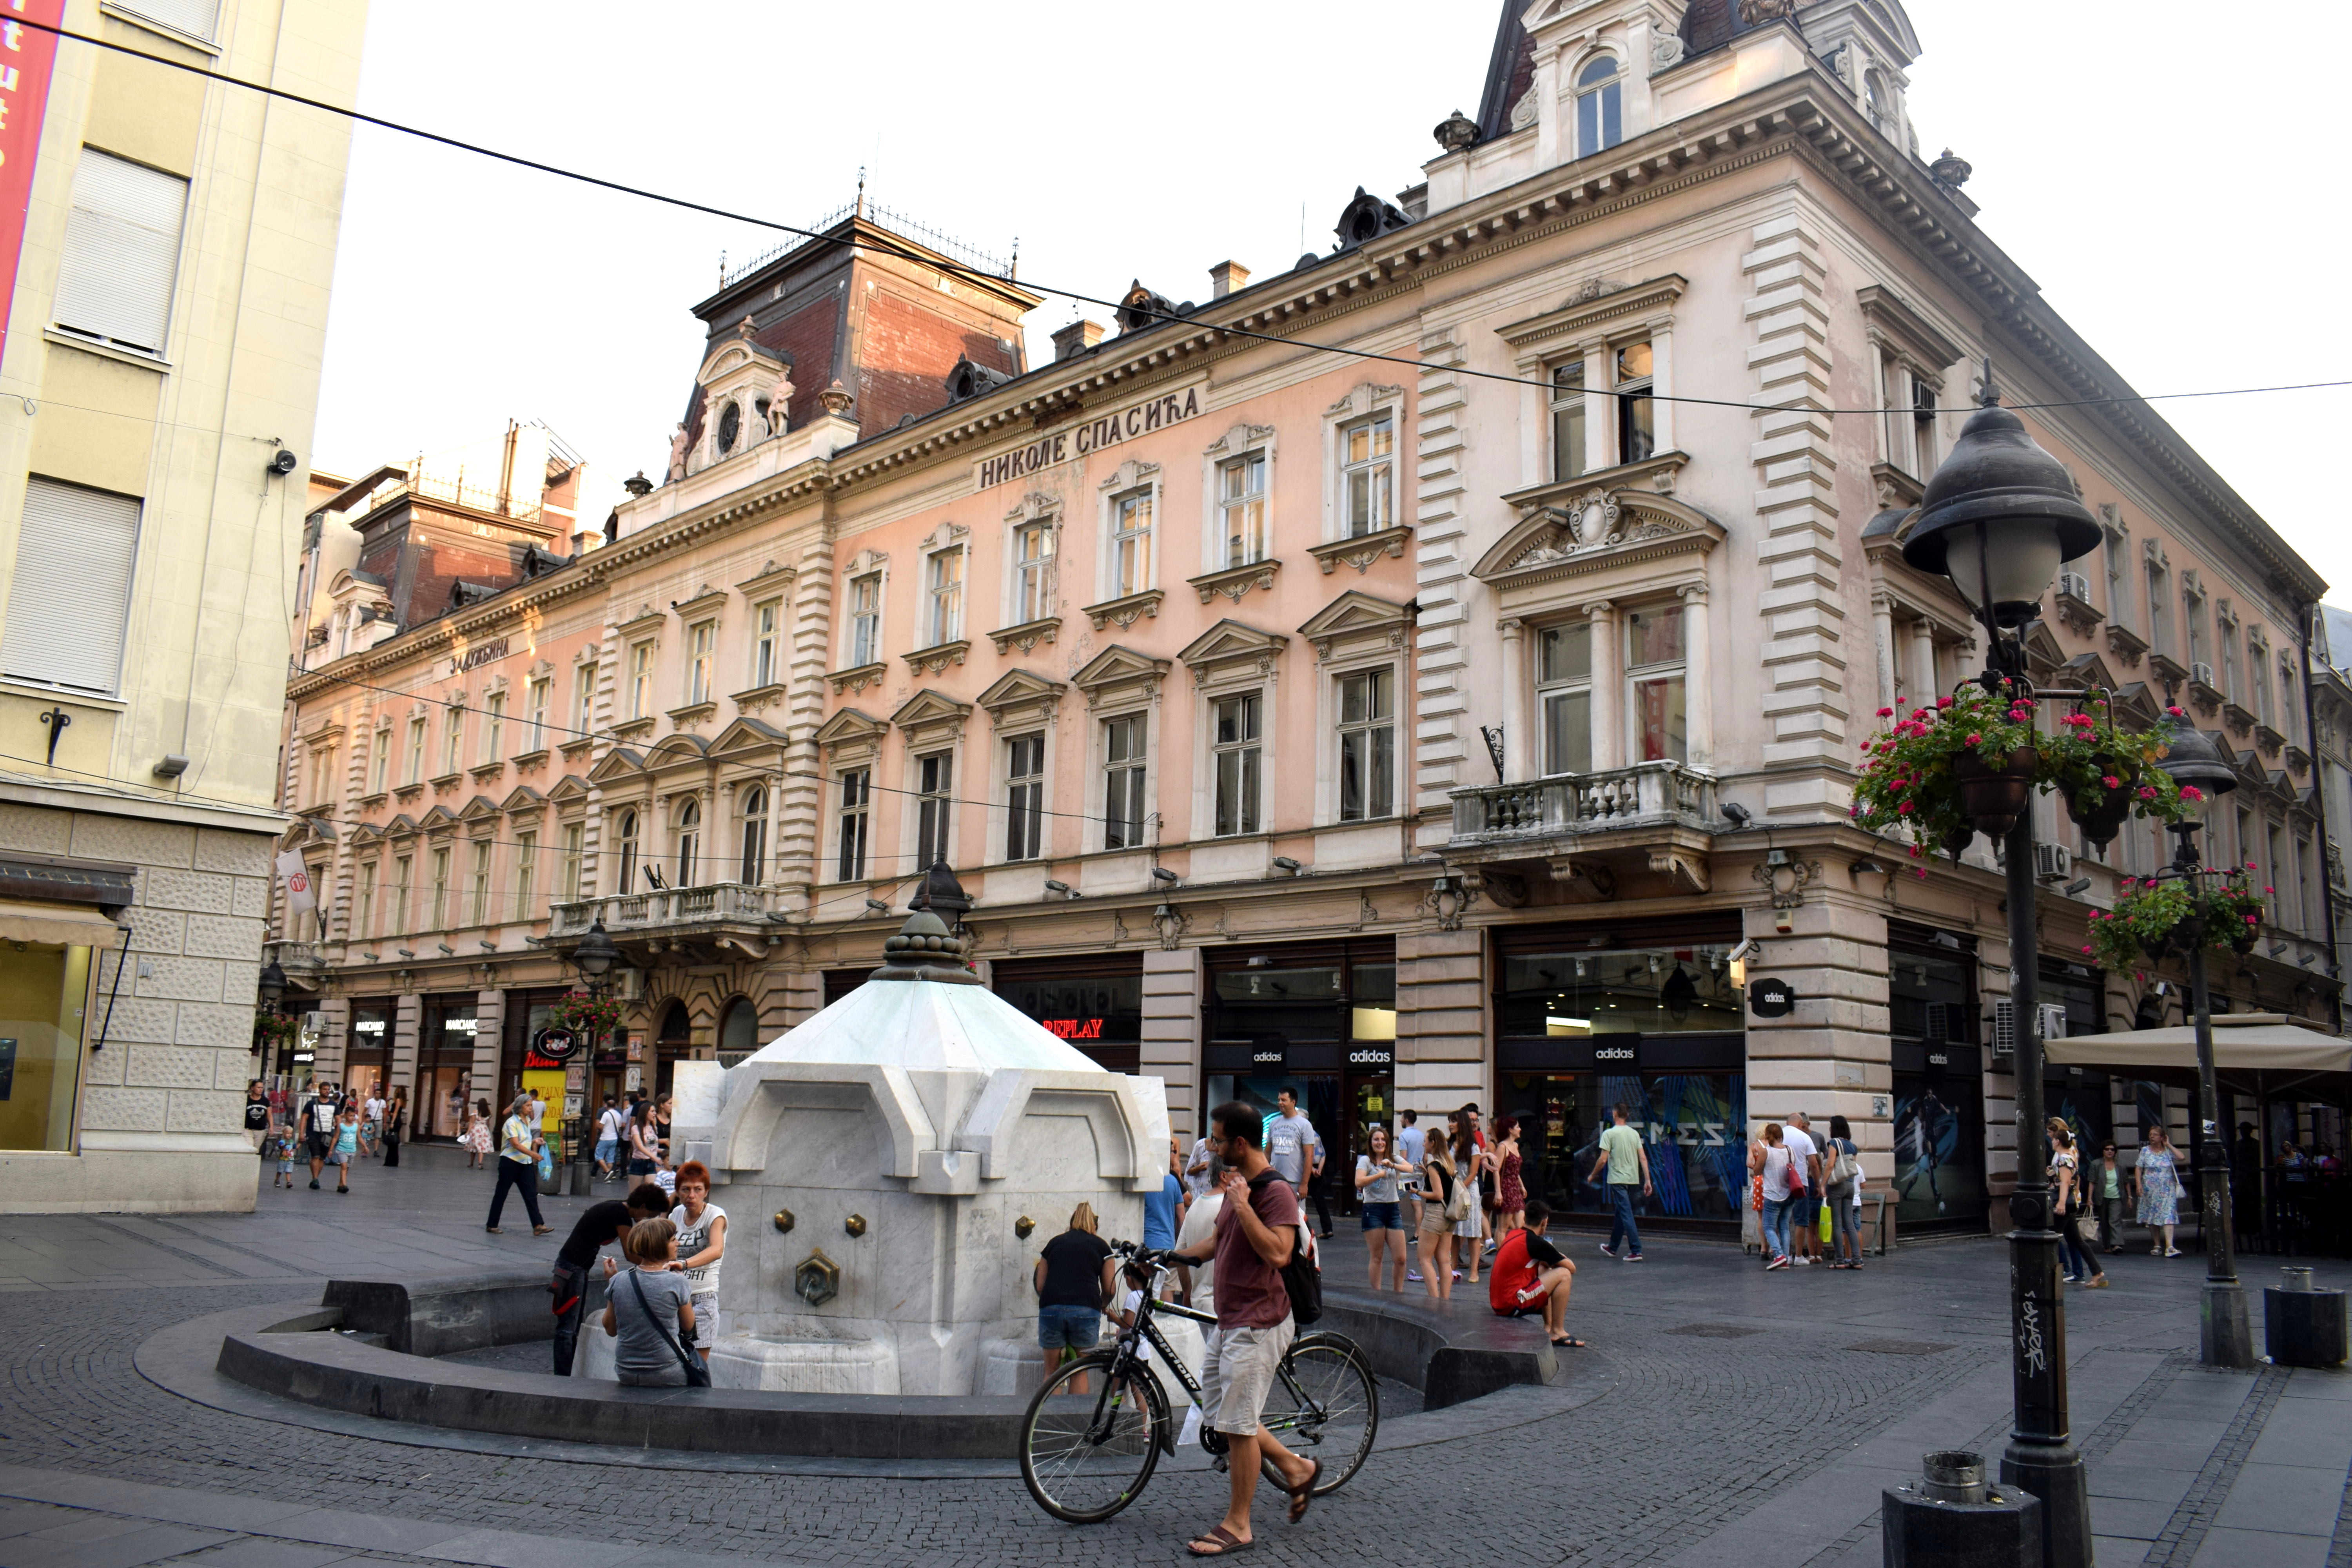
point(739, 1032)
point(1600, 120)
point(1879, 102)
point(755, 837)
point(689, 843)
point(625, 829)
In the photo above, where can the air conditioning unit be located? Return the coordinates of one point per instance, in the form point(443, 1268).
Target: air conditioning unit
point(2052, 862)
point(2053, 1021)
point(315, 1023)
point(2075, 585)
point(2004, 1029)
point(2202, 674)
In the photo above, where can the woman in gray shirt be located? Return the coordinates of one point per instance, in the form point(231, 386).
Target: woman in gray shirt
point(646, 1355)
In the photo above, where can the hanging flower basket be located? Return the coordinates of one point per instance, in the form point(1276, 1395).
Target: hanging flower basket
point(584, 1014)
point(272, 1030)
point(2107, 775)
point(1994, 788)
point(2168, 919)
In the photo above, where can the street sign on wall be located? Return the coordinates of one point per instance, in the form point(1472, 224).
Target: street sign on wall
point(1770, 998)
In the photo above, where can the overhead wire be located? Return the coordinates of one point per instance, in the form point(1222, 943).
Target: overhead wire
point(975, 275)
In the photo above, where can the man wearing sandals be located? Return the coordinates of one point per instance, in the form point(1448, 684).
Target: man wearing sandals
point(1531, 1277)
point(1257, 1226)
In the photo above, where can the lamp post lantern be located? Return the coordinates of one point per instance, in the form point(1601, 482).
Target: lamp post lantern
point(2224, 1337)
point(271, 986)
point(1997, 518)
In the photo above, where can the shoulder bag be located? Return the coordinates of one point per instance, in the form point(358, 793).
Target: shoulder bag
point(697, 1374)
point(1302, 1277)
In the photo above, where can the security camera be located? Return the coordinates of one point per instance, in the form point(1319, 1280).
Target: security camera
point(284, 463)
point(1161, 873)
point(878, 906)
point(1062, 888)
point(1285, 863)
point(1748, 948)
point(1735, 814)
point(2078, 887)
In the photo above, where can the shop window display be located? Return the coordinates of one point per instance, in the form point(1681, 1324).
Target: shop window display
point(1937, 1079)
point(43, 1000)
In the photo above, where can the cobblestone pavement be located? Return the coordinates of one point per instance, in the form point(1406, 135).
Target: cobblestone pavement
point(1752, 1414)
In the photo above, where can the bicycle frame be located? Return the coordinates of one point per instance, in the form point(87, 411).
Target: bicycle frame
point(1310, 1414)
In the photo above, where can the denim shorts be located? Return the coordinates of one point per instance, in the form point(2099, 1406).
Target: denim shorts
point(1068, 1327)
point(1384, 1217)
point(607, 1147)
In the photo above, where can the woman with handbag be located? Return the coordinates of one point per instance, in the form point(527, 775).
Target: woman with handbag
point(1769, 1160)
point(2156, 1179)
point(1842, 1194)
point(640, 1307)
point(395, 1113)
point(1440, 1205)
point(2079, 1263)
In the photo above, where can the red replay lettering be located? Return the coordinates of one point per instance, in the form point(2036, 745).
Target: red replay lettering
point(1074, 1028)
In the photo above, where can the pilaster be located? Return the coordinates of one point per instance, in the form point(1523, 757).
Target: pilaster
point(1442, 555)
point(1442, 1023)
point(1172, 1031)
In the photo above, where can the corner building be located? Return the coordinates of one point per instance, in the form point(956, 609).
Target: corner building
point(1407, 737)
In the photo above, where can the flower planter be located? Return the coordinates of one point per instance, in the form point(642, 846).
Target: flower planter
point(2101, 823)
point(1994, 797)
point(1956, 842)
point(2242, 945)
point(2180, 940)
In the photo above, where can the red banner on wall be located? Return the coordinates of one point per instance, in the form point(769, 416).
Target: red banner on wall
point(27, 56)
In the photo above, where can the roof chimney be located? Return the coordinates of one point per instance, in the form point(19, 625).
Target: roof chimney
point(1227, 278)
point(1077, 339)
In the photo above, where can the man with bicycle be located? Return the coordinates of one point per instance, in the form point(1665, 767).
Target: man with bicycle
point(1257, 1231)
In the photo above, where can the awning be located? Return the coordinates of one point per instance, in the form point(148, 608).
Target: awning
point(2256, 1042)
point(60, 924)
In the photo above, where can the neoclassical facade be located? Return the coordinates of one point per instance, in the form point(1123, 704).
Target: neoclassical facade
point(1406, 734)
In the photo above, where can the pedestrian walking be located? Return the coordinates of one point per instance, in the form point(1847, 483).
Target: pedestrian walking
point(1769, 1157)
point(372, 1119)
point(2106, 1182)
point(1258, 1228)
point(661, 1128)
point(2155, 1183)
point(1163, 1210)
point(1804, 1206)
point(603, 1223)
point(518, 1168)
point(1440, 1201)
point(537, 1116)
point(1376, 1182)
point(346, 1148)
point(1293, 1149)
point(1532, 1278)
point(1510, 1193)
point(1469, 1173)
point(645, 1144)
point(2080, 1264)
point(639, 1316)
point(1073, 1281)
point(701, 1248)
point(1624, 1161)
point(319, 1129)
point(1411, 1139)
point(1196, 1283)
point(1841, 1190)
point(1197, 1169)
point(611, 1125)
point(256, 1114)
point(284, 1140)
point(478, 1135)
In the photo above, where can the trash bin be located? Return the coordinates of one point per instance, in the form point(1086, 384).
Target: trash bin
point(2303, 1326)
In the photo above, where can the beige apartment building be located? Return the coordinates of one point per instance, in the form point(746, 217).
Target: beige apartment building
point(1406, 734)
point(161, 374)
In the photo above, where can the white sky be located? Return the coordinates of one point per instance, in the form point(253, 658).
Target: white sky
point(2194, 249)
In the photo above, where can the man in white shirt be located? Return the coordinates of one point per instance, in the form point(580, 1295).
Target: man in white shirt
point(1197, 1179)
point(1805, 1217)
point(372, 1119)
point(610, 1126)
point(1412, 1143)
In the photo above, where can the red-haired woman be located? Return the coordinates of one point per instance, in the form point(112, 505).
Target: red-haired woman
point(701, 1243)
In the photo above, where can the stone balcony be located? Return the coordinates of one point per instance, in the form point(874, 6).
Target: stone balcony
point(705, 921)
point(1656, 816)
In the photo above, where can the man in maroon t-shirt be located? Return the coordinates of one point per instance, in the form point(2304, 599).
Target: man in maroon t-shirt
point(1256, 1229)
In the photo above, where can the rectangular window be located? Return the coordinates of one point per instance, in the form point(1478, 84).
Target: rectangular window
point(1567, 420)
point(2192, 612)
point(320, 769)
point(437, 916)
point(1653, 665)
point(1923, 427)
point(364, 916)
point(2278, 870)
point(700, 641)
point(2159, 612)
point(2258, 678)
point(121, 254)
point(1368, 476)
point(1024, 796)
point(2119, 596)
point(379, 761)
point(1367, 745)
point(1123, 781)
point(1241, 504)
point(1033, 573)
point(453, 739)
point(1637, 412)
point(481, 905)
point(946, 586)
point(2230, 661)
point(536, 698)
point(1236, 747)
point(569, 872)
point(494, 712)
point(403, 871)
point(1131, 544)
point(935, 779)
point(526, 874)
point(583, 702)
point(2307, 873)
point(416, 749)
point(197, 18)
point(865, 619)
point(70, 601)
point(767, 623)
point(1564, 690)
point(641, 680)
point(855, 811)
point(2289, 708)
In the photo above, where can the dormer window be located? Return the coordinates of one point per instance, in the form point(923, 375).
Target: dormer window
point(730, 427)
point(1600, 118)
point(1880, 104)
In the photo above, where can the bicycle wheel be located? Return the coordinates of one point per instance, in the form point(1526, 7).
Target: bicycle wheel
point(1325, 1407)
point(1085, 1455)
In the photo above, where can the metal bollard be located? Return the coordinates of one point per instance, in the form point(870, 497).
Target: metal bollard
point(1953, 1517)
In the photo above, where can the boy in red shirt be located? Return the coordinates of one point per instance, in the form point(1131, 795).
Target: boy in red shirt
point(1531, 1277)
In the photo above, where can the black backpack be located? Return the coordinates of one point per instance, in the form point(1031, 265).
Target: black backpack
point(1302, 1277)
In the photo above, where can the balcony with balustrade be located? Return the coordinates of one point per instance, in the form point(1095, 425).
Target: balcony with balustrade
point(1660, 817)
point(704, 923)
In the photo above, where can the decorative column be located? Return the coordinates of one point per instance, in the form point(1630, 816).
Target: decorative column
point(1599, 409)
point(1923, 693)
point(1519, 739)
point(772, 861)
point(1607, 696)
point(1882, 626)
point(1698, 676)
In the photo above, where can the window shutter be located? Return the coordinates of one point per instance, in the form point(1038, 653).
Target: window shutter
point(70, 597)
point(122, 252)
point(197, 18)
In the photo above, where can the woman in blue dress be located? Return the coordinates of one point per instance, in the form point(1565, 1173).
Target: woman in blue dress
point(2158, 1181)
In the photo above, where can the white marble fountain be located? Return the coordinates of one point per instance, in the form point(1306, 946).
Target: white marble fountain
point(879, 1166)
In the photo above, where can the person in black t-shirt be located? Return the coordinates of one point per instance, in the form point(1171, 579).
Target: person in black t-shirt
point(606, 1222)
point(1073, 1281)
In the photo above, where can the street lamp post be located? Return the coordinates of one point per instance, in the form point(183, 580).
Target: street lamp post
point(2224, 1337)
point(271, 989)
point(594, 957)
point(1999, 518)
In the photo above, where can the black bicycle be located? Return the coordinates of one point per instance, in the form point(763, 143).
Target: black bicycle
point(1087, 1453)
